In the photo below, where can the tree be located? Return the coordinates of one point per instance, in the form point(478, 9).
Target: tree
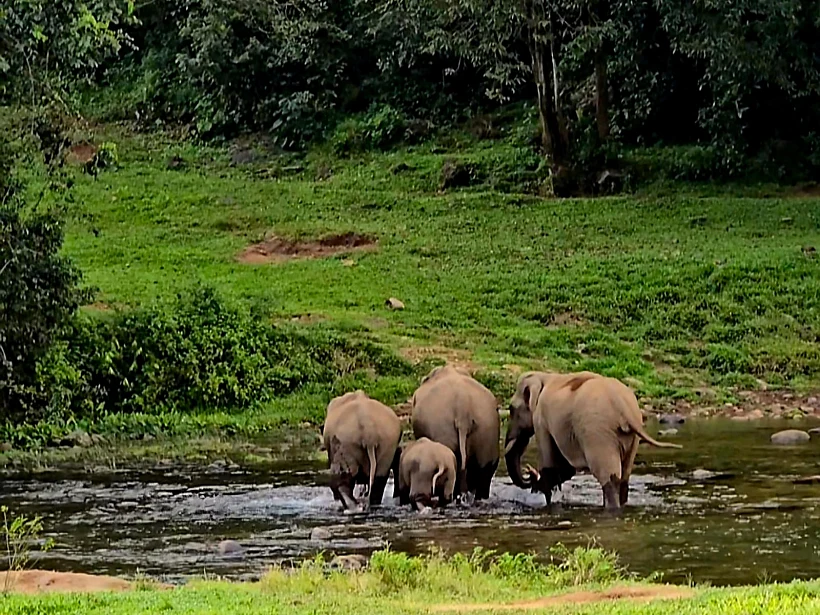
point(45, 46)
point(39, 290)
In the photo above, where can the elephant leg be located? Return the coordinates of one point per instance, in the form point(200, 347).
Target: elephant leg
point(342, 486)
point(612, 494)
point(484, 479)
point(377, 492)
point(626, 470)
point(554, 470)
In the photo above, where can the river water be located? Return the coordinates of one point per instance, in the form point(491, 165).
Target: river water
point(743, 521)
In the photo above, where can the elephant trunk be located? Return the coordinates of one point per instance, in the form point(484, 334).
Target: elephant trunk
point(516, 445)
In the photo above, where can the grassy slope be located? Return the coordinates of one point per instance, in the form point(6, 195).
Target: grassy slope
point(671, 291)
point(401, 585)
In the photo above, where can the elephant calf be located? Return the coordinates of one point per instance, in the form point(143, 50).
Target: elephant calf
point(427, 474)
point(361, 436)
point(453, 408)
point(581, 421)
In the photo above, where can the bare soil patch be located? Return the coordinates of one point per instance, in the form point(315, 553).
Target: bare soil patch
point(43, 581)
point(566, 319)
point(453, 356)
point(632, 594)
point(80, 153)
point(276, 249)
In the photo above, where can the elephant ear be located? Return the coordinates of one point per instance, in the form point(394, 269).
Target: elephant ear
point(532, 391)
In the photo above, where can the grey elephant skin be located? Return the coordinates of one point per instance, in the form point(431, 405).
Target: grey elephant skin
point(581, 421)
point(454, 409)
point(427, 474)
point(361, 436)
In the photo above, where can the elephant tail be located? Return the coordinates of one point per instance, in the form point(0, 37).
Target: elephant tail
point(371, 456)
point(638, 429)
point(462, 447)
point(435, 480)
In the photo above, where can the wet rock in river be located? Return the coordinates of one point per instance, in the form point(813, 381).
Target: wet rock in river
point(667, 432)
point(229, 547)
point(319, 534)
point(814, 431)
point(564, 525)
point(790, 436)
point(671, 419)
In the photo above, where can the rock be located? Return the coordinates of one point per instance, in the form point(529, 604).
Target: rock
point(807, 480)
point(671, 419)
point(812, 401)
point(319, 534)
point(456, 174)
point(668, 432)
point(790, 437)
point(5, 447)
point(78, 438)
point(815, 431)
point(564, 525)
point(755, 415)
point(349, 262)
point(394, 304)
point(229, 547)
point(349, 562)
point(175, 163)
point(97, 439)
point(243, 156)
point(701, 474)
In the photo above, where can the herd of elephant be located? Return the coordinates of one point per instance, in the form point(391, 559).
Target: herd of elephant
point(581, 421)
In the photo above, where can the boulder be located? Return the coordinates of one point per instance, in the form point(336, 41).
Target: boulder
point(790, 437)
point(319, 534)
point(349, 562)
point(394, 304)
point(229, 547)
point(667, 432)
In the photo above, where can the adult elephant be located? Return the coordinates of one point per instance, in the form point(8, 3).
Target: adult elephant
point(361, 436)
point(453, 408)
point(581, 421)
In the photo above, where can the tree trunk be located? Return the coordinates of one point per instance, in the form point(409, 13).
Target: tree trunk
point(601, 96)
point(553, 132)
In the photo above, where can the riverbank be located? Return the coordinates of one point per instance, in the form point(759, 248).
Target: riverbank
point(588, 581)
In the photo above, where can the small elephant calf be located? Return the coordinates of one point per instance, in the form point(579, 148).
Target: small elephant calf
point(427, 474)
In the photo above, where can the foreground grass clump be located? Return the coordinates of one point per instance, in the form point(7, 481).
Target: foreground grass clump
point(396, 583)
point(671, 291)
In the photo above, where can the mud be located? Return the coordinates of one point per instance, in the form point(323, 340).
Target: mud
point(276, 249)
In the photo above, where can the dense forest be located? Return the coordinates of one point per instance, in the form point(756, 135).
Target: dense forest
point(737, 79)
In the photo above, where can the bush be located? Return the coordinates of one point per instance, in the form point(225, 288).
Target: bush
point(379, 129)
point(39, 293)
point(201, 354)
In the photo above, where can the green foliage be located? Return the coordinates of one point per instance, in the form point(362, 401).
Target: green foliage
point(39, 292)
point(45, 47)
point(199, 354)
point(583, 566)
point(379, 129)
point(18, 534)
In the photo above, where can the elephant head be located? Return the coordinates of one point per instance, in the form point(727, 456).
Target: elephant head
point(520, 427)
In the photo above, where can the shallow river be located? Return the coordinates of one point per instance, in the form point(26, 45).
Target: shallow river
point(748, 522)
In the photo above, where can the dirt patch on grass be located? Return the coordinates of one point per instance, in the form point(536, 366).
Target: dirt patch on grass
point(43, 581)
point(453, 356)
point(279, 249)
point(80, 153)
point(632, 594)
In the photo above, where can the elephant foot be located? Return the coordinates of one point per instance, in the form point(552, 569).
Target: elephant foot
point(612, 497)
point(466, 500)
point(425, 511)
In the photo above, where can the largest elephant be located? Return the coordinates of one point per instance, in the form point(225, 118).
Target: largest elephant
point(453, 408)
point(581, 421)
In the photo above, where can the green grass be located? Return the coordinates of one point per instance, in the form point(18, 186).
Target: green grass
point(395, 583)
point(668, 291)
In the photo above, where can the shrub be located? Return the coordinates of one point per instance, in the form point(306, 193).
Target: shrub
point(39, 292)
point(199, 354)
point(380, 128)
